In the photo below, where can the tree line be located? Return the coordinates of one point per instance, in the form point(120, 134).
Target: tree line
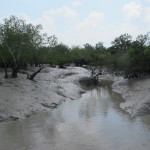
point(23, 44)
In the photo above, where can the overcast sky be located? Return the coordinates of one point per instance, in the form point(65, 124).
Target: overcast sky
point(76, 22)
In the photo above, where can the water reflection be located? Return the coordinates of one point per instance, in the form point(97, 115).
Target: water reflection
point(94, 122)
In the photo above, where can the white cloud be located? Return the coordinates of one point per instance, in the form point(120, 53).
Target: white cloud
point(64, 11)
point(76, 3)
point(94, 28)
point(133, 9)
point(66, 23)
point(130, 28)
point(49, 19)
point(147, 15)
point(93, 20)
point(47, 22)
point(41, 20)
point(91, 29)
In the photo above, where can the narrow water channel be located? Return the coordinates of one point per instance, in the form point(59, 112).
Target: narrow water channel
point(94, 122)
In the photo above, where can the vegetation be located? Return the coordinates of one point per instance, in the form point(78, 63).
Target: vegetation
point(23, 44)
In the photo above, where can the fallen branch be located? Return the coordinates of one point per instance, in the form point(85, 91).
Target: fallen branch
point(31, 77)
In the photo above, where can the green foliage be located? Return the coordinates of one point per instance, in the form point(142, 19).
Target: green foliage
point(131, 57)
point(59, 55)
point(22, 44)
point(19, 42)
point(121, 44)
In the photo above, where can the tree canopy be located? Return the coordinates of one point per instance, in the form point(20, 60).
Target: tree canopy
point(23, 44)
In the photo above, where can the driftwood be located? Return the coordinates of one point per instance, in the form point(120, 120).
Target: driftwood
point(31, 77)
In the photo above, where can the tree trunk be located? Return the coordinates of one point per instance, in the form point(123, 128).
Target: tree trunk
point(14, 72)
point(6, 74)
point(61, 65)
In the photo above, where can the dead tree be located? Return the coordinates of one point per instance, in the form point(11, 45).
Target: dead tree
point(31, 77)
point(96, 71)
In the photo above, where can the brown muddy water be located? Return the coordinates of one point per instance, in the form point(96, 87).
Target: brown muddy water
point(94, 122)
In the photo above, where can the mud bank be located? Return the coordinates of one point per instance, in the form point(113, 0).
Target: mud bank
point(21, 98)
point(136, 93)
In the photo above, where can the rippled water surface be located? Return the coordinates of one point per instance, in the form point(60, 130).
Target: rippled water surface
point(94, 122)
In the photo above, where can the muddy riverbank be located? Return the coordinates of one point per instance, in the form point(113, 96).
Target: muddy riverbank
point(21, 98)
point(136, 93)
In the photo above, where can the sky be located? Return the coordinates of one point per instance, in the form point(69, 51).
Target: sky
point(76, 22)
